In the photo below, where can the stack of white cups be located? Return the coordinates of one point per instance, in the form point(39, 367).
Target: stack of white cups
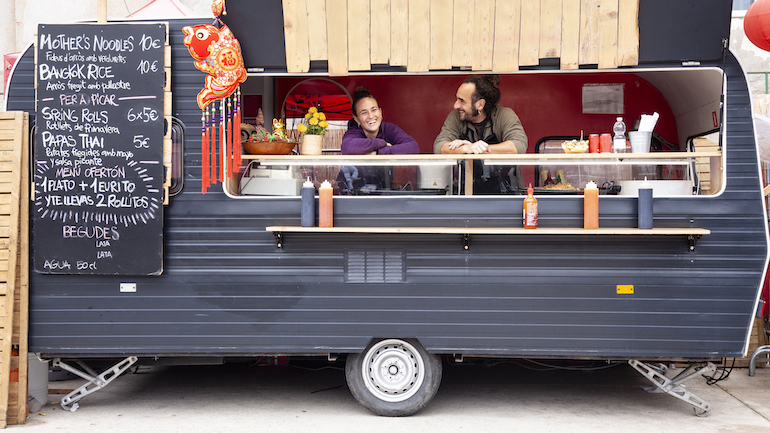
point(640, 139)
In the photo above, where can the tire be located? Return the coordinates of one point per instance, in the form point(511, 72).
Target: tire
point(393, 377)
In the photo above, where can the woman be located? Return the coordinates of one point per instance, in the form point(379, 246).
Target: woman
point(367, 134)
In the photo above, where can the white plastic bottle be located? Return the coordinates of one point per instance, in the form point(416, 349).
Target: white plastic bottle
point(619, 138)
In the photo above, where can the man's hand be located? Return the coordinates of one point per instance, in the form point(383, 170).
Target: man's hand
point(456, 144)
point(480, 146)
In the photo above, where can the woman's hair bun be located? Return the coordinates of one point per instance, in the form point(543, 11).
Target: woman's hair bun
point(360, 93)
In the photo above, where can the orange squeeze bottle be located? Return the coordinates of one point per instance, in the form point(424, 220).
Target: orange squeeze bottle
point(530, 209)
point(591, 206)
point(325, 205)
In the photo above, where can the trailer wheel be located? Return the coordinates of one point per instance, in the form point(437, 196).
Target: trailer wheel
point(393, 377)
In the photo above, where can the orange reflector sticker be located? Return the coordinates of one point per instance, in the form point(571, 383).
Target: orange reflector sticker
point(625, 289)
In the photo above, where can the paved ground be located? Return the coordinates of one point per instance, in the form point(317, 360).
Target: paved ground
point(473, 398)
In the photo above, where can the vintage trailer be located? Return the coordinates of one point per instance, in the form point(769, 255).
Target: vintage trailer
point(416, 266)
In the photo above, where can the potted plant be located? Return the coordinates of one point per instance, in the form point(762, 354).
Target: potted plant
point(312, 130)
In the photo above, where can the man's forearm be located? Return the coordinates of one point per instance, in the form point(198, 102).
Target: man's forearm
point(504, 147)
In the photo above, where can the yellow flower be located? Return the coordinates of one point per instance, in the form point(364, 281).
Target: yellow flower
point(313, 121)
point(301, 128)
point(308, 116)
point(323, 124)
point(317, 116)
point(321, 116)
point(312, 110)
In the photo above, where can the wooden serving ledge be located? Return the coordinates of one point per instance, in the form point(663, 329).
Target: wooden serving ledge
point(693, 234)
point(523, 158)
point(497, 158)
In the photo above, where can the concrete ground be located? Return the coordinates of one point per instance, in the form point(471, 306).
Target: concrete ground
point(474, 397)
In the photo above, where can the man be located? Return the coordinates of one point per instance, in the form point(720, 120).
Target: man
point(478, 125)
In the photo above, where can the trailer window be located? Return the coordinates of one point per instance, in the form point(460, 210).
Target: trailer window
point(687, 100)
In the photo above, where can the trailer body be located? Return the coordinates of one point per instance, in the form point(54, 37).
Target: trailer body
point(227, 290)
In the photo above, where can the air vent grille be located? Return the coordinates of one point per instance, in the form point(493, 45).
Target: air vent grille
point(375, 266)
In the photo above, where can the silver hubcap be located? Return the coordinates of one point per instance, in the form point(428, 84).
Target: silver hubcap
point(393, 370)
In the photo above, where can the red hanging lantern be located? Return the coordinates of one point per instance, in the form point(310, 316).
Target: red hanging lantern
point(756, 24)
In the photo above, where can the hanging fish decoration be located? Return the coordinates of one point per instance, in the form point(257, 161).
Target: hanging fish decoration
point(217, 52)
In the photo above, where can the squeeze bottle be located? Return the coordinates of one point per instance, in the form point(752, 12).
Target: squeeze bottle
point(325, 205)
point(591, 206)
point(644, 211)
point(530, 209)
point(307, 214)
point(619, 136)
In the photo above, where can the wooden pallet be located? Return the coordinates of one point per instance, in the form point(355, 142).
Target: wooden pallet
point(14, 260)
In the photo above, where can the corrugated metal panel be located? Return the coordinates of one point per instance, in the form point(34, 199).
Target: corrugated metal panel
point(227, 289)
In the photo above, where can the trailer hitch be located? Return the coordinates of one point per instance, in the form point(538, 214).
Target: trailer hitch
point(95, 381)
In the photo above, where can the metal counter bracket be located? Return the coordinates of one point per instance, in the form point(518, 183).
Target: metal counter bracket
point(675, 387)
point(692, 240)
point(278, 240)
point(466, 242)
point(95, 381)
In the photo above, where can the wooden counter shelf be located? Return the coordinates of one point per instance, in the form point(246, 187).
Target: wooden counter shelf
point(693, 234)
point(527, 159)
point(524, 159)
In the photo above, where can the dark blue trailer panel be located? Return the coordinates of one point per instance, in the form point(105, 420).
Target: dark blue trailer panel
point(227, 289)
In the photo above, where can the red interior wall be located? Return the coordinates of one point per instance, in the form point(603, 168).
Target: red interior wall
point(548, 103)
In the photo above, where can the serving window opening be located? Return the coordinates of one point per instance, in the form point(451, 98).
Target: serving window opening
point(685, 156)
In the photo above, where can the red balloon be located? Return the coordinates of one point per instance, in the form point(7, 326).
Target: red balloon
point(756, 24)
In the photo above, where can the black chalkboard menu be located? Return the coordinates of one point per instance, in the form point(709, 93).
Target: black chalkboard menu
point(98, 162)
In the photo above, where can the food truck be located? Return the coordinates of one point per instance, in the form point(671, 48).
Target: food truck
point(417, 265)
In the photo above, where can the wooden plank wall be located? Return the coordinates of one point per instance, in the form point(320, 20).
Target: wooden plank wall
point(13, 265)
point(481, 35)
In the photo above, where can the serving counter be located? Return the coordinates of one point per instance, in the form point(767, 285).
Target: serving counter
point(454, 174)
